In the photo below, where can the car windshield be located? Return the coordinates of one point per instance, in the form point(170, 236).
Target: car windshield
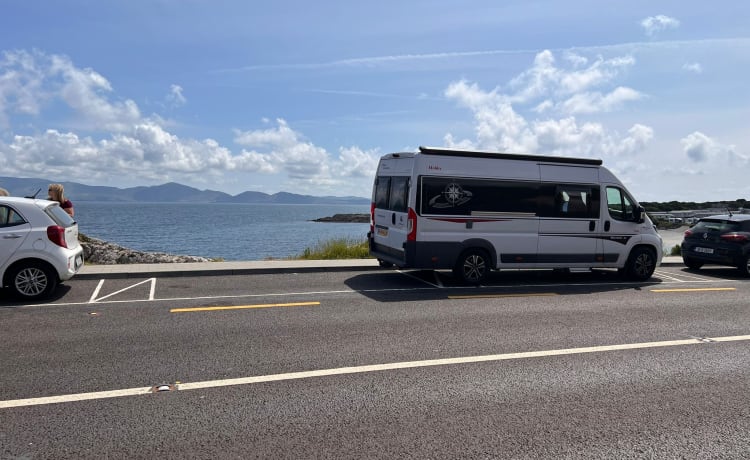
point(721, 226)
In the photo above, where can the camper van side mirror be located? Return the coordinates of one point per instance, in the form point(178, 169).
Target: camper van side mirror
point(639, 213)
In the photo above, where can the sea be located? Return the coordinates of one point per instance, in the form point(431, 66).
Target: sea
point(228, 231)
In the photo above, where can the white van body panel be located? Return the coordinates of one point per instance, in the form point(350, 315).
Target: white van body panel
point(523, 211)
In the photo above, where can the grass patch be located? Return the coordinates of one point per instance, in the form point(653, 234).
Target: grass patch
point(340, 248)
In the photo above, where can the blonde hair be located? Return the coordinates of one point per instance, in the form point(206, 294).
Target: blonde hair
point(57, 193)
point(4, 192)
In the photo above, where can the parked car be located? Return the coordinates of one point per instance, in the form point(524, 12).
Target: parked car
point(38, 246)
point(720, 240)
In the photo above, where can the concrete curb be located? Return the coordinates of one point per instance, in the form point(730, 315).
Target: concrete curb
point(241, 268)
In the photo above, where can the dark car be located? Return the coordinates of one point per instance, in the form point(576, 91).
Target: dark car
point(720, 240)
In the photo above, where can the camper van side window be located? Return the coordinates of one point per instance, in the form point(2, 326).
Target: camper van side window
point(576, 201)
point(382, 190)
point(620, 205)
point(464, 197)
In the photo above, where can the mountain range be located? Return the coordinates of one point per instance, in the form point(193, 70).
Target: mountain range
point(166, 193)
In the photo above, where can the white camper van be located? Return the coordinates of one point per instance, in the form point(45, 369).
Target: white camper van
point(477, 211)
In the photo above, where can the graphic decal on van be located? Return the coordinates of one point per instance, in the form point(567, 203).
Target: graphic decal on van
point(453, 195)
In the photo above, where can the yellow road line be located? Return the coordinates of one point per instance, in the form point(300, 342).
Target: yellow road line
point(493, 296)
point(243, 307)
point(693, 289)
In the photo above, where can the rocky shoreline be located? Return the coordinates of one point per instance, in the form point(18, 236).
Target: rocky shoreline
point(346, 218)
point(100, 252)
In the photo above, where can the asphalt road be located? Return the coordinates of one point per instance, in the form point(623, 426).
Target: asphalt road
point(380, 364)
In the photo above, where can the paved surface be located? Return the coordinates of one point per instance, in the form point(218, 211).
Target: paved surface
point(237, 268)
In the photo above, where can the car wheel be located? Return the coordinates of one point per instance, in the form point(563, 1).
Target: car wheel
point(641, 264)
point(692, 263)
point(33, 281)
point(745, 265)
point(472, 266)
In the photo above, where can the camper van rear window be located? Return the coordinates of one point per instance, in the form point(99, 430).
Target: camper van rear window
point(392, 193)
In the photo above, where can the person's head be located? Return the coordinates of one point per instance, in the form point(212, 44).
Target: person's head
point(56, 192)
point(4, 192)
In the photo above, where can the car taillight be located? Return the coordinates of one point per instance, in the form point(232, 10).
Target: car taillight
point(372, 218)
point(411, 225)
point(735, 237)
point(688, 233)
point(56, 234)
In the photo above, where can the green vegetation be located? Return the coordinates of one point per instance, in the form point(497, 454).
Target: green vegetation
point(687, 206)
point(341, 248)
point(676, 250)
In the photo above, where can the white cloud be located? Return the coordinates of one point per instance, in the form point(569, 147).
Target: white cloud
point(693, 67)
point(700, 148)
point(597, 102)
point(573, 89)
point(175, 98)
point(121, 142)
point(653, 24)
point(500, 126)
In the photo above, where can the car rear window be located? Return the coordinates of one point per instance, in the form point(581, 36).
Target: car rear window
point(59, 215)
point(720, 226)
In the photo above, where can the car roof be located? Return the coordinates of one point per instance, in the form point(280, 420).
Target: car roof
point(24, 202)
point(731, 218)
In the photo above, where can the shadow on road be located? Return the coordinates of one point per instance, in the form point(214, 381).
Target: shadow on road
point(418, 285)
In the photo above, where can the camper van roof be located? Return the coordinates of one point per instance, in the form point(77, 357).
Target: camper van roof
point(508, 156)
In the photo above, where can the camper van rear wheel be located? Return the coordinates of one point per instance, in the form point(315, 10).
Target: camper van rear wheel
point(641, 264)
point(472, 266)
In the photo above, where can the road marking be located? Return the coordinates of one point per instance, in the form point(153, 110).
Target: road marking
point(367, 368)
point(94, 298)
point(492, 296)
point(243, 307)
point(693, 289)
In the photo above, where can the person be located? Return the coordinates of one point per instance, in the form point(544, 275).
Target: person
point(4, 192)
point(56, 192)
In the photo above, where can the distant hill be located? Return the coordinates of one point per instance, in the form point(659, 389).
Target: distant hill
point(166, 193)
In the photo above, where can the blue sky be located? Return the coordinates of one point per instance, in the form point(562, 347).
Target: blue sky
point(304, 97)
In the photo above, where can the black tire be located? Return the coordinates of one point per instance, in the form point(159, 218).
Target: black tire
point(744, 265)
point(472, 266)
point(692, 264)
point(32, 281)
point(641, 264)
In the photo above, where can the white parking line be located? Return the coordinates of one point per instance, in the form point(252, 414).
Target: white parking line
point(364, 369)
point(152, 290)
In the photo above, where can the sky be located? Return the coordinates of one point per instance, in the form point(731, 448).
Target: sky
point(305, 97)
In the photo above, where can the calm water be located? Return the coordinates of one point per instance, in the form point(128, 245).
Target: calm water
point(229, 231)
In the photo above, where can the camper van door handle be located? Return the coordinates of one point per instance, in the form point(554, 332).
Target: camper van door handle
point(592, 225)
point(393, 218)
point(606, 226)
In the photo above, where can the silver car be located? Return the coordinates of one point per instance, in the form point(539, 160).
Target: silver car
point(38, 246)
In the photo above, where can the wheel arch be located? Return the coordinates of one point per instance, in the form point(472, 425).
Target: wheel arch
point(480, 243)
point(10, 269)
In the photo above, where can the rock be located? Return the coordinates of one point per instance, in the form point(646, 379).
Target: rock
point(103, 253)
point(346, 218)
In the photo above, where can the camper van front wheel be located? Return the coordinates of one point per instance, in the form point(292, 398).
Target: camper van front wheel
point(641, 264)
point(472, 267)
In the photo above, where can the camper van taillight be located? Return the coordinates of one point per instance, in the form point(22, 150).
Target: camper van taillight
point(411, 225)
point(372, 217)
